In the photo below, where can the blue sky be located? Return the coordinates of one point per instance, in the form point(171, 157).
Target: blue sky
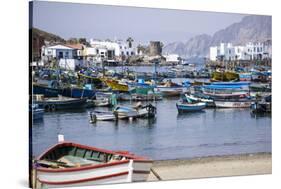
point(143, 24)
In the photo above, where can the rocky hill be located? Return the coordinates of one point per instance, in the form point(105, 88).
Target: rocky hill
point(250, 29)
point(46, 36)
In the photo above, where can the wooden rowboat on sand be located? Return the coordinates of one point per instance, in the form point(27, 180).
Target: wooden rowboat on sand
point(69, 164)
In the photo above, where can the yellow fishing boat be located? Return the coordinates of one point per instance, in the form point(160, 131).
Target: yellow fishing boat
point(116, 86)
point(225, 76)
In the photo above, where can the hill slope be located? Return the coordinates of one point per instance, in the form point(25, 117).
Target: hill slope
point(250, 29)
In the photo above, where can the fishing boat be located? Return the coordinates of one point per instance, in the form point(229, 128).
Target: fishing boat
point(123, 112)
point(235, 103)
point(76, 92)
point(147, 97)
point(169, 89)
point(190, 107)
point(101, 99)
point(102, 116)
point(116, 85)
point(93, 80)
point(105, 102)
point(245, 76)
point(263, 106)
point(222, 89)
point(59, 103)
point(37, 113)
point(209, 102)
point(69, 164)
point(47, 91)
point(225, 76)
point(258, 87)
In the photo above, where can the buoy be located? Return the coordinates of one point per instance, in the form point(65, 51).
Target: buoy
point(53, 107)
point(60, 138)
point(47, 107)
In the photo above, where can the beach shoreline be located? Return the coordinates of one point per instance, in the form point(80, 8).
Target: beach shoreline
point(212, 166)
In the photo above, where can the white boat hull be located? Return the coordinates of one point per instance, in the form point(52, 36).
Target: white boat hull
point(128, 171)
point(170, 91)
point(234, 104)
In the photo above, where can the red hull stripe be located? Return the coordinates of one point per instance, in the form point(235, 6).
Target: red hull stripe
point(140, 172)
point(64, 144)
point(142, 161)
point(83, 180)
point(81, 168)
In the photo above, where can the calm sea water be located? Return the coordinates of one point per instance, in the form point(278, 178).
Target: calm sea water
point(168, 136)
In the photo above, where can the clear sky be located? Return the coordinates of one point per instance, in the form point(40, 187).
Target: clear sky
point(142, 24)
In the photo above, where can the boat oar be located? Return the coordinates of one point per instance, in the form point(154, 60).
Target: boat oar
point(155, 174)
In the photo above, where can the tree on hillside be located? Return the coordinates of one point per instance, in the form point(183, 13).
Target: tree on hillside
point(72, 40)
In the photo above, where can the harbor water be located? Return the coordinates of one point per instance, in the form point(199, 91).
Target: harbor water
point(212, 132)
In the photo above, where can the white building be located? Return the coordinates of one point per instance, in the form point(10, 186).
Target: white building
point(111, 50)
point(174, 58)
point(250, 51)
point(66, 56)
point(58, 52)
point(214, 52)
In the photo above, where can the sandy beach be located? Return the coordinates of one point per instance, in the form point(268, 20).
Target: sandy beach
point(247, 164)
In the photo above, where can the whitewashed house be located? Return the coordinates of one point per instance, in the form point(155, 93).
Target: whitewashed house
point(214, 52)
point(58, 52)
point(250, 51)
point(65, 55)
point(111, 50)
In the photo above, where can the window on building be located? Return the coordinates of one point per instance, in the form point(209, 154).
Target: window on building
point(60, 55)
point(127, 53)
point(132, 53)
point(66, 55)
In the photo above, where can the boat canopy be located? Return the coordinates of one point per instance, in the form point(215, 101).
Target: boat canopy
point(230, 83)
point(223, 87)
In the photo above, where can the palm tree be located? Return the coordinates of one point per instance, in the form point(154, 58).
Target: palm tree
point(130, 40)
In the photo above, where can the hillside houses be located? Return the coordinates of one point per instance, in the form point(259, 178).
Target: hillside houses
point(249, 51)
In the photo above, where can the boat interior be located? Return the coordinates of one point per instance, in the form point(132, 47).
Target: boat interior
point(72, 156)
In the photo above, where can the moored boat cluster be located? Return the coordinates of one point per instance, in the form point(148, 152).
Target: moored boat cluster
point(80, 165)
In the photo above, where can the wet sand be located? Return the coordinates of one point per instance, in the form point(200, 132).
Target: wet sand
point(235, 165)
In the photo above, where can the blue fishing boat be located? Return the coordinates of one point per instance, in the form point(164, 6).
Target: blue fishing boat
point(209, 102)
point(227, 89)
point(45, 90)
point(241, 83)
point(190, 107)
point(75, 92)
point(245, 76)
